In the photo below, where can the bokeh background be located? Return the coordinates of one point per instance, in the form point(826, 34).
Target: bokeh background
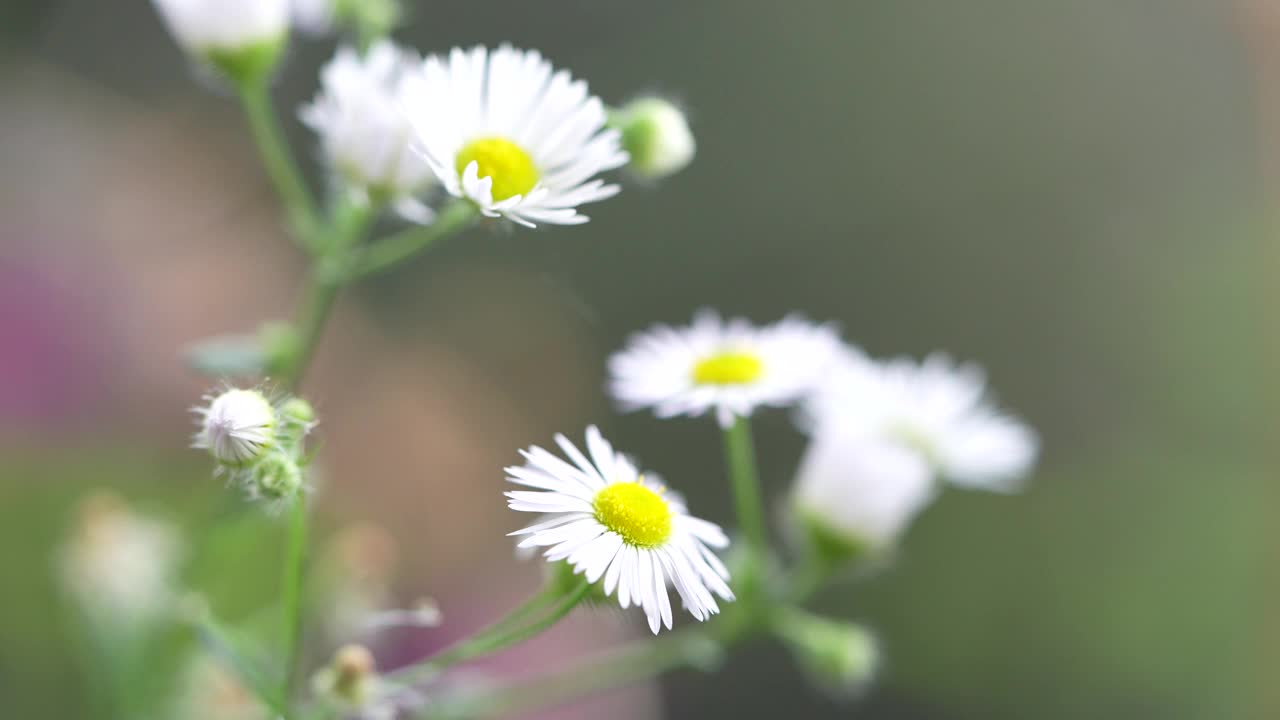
point(1077, 195)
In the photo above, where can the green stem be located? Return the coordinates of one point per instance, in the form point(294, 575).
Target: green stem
point(497, 636)
point(274, 149)
point(391, 251)
point(741, 460)
point(218, 642)
point(330, 272)
point(809, 577)
point(624, 665)
point(321, 295)
point(292, 593)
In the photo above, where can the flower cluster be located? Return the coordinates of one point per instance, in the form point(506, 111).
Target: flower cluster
point(258, 444)
point(502, 135)
point(882, 433)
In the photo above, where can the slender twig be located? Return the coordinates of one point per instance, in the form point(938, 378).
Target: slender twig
point(292, 593)
point(496, 637)
point(587, 676)
point(219, 643)
point(279, 162)
point(740, 458)
point(390, 251)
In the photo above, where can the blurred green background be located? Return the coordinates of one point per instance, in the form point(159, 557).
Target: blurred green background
point(1075, 194)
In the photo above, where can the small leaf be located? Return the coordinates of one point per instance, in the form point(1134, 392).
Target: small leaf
point(228, 356)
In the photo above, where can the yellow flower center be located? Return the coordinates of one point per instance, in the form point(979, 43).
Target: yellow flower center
point(728, 368)
point(635, 512)
point(508, 164)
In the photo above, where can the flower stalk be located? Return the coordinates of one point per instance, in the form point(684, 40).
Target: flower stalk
point(744, 480)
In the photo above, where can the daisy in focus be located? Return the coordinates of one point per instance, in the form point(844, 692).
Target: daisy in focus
point(607, 521)
point(936, 408)
point(518, 139)
point(731, 367)
point(365, 133)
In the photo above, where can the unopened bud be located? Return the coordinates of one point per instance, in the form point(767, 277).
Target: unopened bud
point(657, 136)
point(297, 418)
point(241, 38)
point(351, 678)
point(841, 656)
point(275, 477)
point(238, 427)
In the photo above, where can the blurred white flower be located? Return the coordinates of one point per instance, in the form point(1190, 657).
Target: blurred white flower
point(656, 134)
point(520, 140)
point(313, 17)
point(854, 494)
point(119, 566)
point(935, 407)
point(221, 26)
point(236, 426)
point(730, 367)
point(606, 520)
point(362, 125)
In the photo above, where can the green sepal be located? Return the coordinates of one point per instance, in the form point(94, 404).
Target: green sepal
point(248, 64)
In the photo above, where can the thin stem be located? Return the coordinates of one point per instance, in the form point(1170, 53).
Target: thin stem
point(812, 573)
point(391, 251)
point(741, 460)
point(330, 272)
point(217, 641)
point(321, 295)
point(588, 676)
point(273, 148)
point(497, 636)
point(294, 580)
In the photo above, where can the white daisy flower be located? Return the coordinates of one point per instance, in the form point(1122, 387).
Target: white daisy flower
point(217, 26)
point(937, 408)
point(119, 565)
point(854, 493)
point(520, 140)
point(607, 521)
point(730, 367)
point(313, 17)
point(237, 426)
point(362, 126)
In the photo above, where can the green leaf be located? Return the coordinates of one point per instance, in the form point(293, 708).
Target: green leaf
point(228, 356)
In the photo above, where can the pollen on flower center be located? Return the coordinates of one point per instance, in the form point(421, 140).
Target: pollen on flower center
point(635, 512)
point(511, 168)
point(728, 368)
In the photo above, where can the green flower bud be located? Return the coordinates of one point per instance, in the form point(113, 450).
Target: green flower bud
point(297, 417)
point(656, 134)
point(275, 477)
point(350, 680)
point(249, 63)
point(840, 656)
